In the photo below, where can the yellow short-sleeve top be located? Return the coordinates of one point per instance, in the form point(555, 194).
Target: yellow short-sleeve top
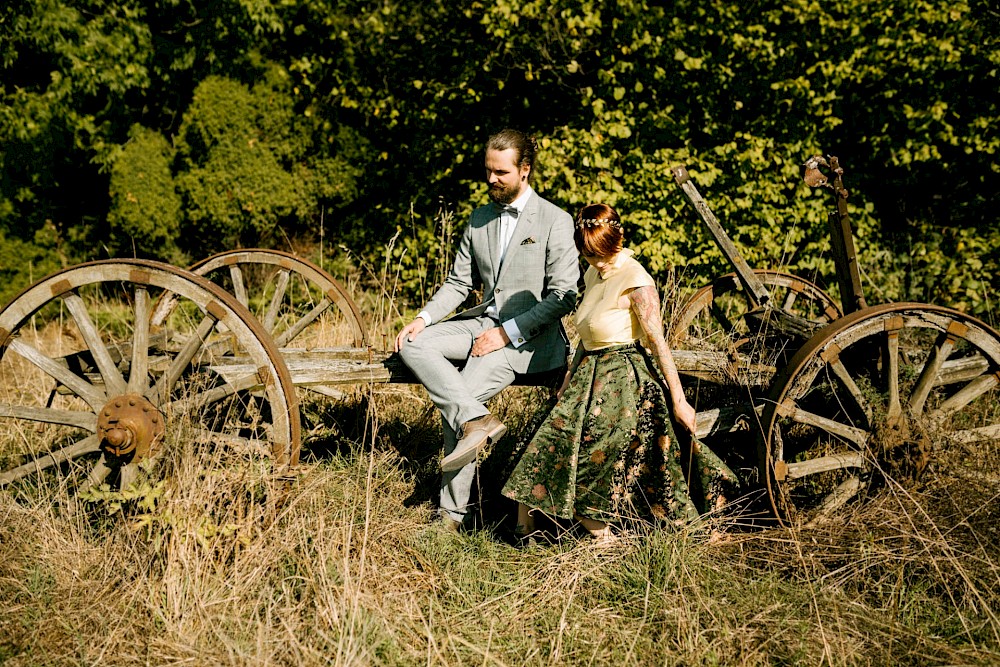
point(599, 320)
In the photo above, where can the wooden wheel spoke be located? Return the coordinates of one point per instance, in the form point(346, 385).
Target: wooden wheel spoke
point(928, 375)
point(129, 474)
point(273, 308)
point(89, 444)
point(304, 321)
point(720, 317)
point(837, 498)
point(981, 434)
point(137, 471)
point(97, 475)
point(798, 469)
point(113, 380)
point(250, 445)
point(209, 396)
point(77, 418)
point(789, 300)
point(860, 402)
point(161, 390)
point(239, 286)
point(891, 372)
point(94, 397)
point(966, 395)
point(963, 369)
point(138, 378)
point(851, 433)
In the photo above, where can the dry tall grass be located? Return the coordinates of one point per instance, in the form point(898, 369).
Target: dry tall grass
point(213, 564)
point(341, 571)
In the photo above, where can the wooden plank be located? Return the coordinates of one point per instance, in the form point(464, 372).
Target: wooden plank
point(756, 292)
point(842, 248)
point(797, 469)
point(729, 419)
point(333, 366)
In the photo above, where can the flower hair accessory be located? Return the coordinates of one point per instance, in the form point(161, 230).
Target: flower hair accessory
point(598, 222)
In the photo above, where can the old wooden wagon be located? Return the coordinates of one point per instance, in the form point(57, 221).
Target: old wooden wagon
point(830, 399)
point(838, 399)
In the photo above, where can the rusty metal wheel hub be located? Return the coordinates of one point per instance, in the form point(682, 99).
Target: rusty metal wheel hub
point(129, 423)
point(902, 444)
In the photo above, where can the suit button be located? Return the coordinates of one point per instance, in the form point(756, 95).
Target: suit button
point(496, 291)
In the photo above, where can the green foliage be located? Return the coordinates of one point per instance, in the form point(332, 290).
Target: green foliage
point(145, 206)
point(144, 497)
point(247, 165)
point(951, 266)
point(372, 117)
point(24, 262)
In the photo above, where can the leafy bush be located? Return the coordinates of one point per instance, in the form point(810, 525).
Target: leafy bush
point(368, 119)
point(145, 206)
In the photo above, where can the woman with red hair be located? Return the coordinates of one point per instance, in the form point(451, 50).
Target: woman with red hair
point(607, 452)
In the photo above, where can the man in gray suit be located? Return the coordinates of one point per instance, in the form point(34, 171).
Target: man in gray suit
point(521, 249)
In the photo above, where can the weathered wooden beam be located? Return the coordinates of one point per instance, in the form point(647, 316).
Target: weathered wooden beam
point(333, 366)
point(728, 419)
point(755, 290)
point(774, 321)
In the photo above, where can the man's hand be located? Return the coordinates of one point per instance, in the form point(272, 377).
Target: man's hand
point(490, 340)
point(409, 332)
point(686, 415)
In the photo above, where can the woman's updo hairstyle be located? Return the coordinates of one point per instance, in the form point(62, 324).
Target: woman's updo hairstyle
point(598, 231)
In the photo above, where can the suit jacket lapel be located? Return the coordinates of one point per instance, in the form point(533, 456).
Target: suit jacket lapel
point(524, 226)
point(492, 230)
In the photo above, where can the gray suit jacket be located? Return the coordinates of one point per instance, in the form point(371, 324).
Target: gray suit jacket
point(535, 285)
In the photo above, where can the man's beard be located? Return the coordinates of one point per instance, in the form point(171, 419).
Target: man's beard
point(501, 194)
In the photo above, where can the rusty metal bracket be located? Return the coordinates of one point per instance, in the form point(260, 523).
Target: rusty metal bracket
point(845, 255)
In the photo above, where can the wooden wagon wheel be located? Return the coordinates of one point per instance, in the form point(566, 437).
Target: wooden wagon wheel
point(870, 396)
point(93, 390)
point(713, 316)
point(292, 297)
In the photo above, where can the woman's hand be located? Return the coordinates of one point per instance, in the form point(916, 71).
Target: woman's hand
point(686, 415)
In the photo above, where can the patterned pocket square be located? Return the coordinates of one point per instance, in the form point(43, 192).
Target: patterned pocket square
point(528, 241)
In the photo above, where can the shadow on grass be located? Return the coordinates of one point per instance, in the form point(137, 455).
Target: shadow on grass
point(403, 421)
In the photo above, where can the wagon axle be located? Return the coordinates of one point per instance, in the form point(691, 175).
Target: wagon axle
point(129, 425)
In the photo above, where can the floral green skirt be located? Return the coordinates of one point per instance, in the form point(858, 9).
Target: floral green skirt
point(607, 449)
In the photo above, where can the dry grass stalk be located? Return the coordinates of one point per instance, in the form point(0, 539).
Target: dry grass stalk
point(217, 563)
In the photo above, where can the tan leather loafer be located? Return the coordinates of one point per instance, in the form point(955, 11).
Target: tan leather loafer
point(476, 433)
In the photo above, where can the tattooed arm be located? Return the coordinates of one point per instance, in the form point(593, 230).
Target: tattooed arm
point(645, 303)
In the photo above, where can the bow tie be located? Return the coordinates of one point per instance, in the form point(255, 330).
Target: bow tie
point(509, 210)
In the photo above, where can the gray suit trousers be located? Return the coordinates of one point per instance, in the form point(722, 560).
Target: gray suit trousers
point(459, 394)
